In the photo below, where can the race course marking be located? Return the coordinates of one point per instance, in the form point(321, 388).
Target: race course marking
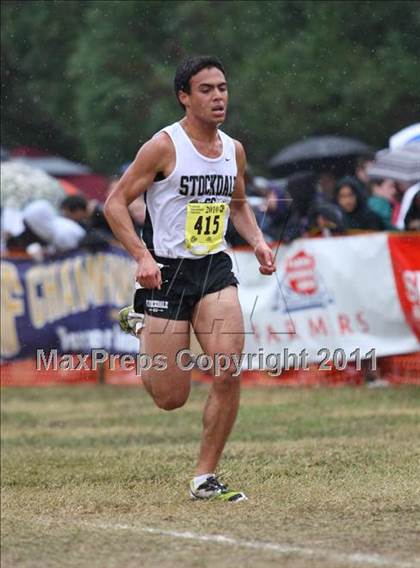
point(354, 558)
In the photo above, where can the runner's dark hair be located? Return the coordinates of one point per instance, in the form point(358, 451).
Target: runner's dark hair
point(191, 67)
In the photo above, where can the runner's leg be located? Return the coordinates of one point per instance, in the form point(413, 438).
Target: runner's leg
point(218, 324)
point(169, 388)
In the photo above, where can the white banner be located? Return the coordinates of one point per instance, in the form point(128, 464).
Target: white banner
point(332, 294)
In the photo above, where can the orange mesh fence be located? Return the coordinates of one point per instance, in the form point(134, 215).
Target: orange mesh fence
point(401, 369)
point(397, 369)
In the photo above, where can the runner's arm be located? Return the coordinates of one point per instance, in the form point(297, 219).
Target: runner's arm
point(135, 181)
point(151, 159)
point(244, 220)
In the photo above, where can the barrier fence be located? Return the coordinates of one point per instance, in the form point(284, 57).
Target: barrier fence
point(396, 370)
point(341, 300)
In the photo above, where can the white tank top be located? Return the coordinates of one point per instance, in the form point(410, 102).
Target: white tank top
point(195, 179)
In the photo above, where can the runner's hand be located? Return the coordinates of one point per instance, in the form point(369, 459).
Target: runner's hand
point(265, 257)
point(148, 272)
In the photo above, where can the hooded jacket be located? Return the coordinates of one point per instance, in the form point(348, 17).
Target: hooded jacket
point(361, 218)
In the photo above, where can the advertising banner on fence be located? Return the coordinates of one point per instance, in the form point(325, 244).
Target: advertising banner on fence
point(345, 297)
point(68, 303)
point(330, 295)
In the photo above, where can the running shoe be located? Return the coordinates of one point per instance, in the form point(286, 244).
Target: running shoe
point(130, 321)
point(213, 490)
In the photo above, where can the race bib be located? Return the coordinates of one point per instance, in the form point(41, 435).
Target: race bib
point(204, 227)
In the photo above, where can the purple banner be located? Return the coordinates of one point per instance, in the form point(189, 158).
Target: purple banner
point(69, 303)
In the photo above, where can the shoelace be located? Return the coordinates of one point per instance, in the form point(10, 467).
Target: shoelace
point(214, 483)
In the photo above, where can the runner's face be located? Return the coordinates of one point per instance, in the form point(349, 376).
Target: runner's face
point(208, 96)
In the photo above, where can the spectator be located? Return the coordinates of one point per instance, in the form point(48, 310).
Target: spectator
point(409, 218)
point(324, 219)
point(381, 201)
point(326, 183)
point(402, 188)
point(356, 214)
point(412, 219)
point(97, 219)
point(361, 175)
point(75, 207)
point(255, 186)
point(301, 188)
point(272, 213)
point(42, 225)
point(311, 211)
point(20, 243)
point(89, 215)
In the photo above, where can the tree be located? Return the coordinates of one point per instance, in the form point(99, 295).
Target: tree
point(94, 79)
point(37, 39)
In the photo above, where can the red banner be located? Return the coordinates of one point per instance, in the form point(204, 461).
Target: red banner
point(405, 255)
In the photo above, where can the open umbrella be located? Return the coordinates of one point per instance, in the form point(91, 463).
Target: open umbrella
point(317, 153)
point(405, 136)
point(400, 164)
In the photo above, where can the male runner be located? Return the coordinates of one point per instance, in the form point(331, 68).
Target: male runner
point(192, 175)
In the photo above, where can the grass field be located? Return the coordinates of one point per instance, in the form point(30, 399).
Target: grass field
point(97, 477)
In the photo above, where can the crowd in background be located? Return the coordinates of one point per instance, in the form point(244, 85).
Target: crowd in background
point(79, 223)
point(304, 204)
point(323, 204)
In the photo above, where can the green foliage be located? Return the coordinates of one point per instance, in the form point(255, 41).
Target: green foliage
point(37, 100)
point(94, 79)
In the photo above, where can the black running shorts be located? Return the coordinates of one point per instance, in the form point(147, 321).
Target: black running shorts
point(184, 283)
